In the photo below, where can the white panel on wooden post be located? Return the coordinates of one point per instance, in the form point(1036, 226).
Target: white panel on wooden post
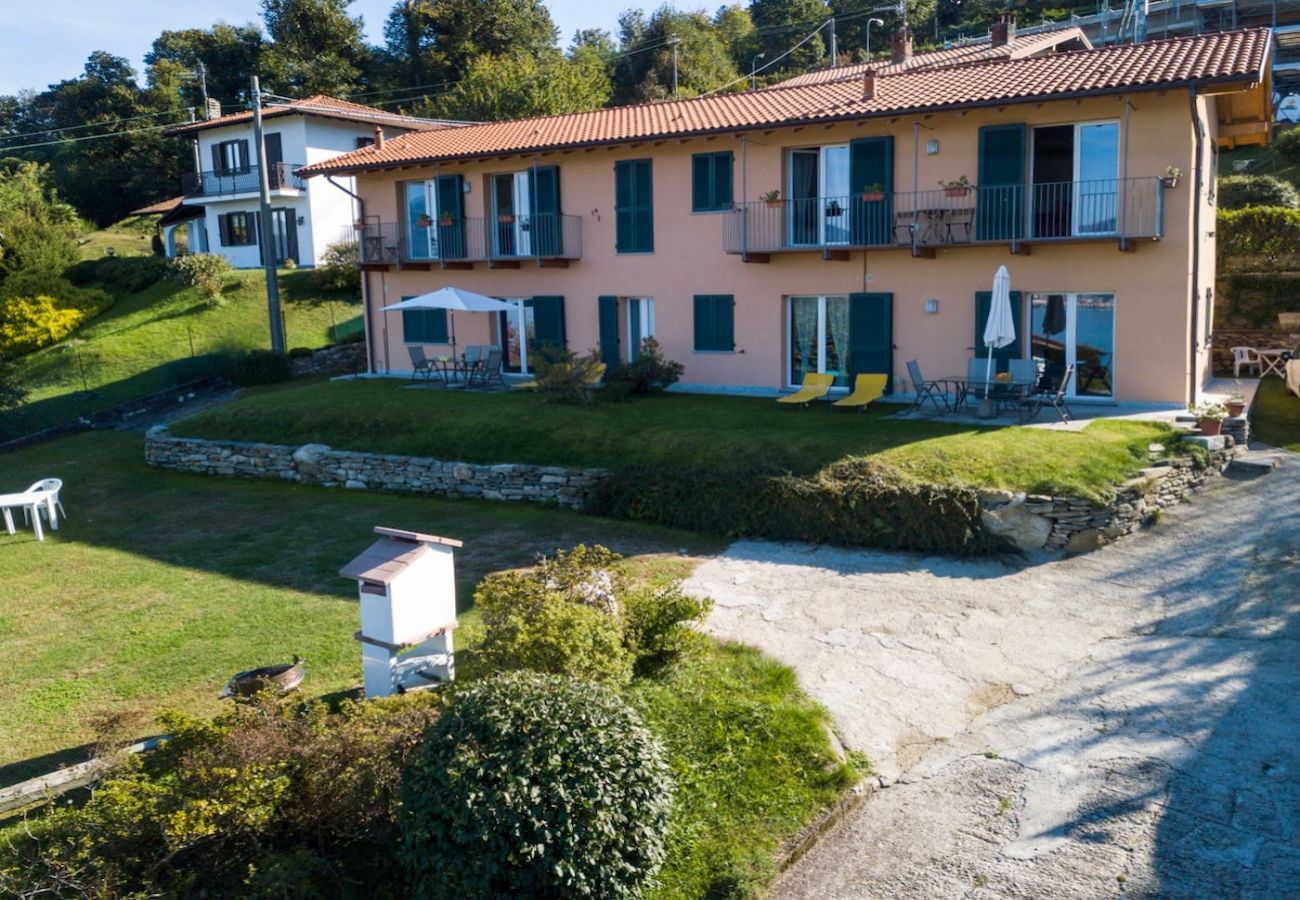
point(406, 582)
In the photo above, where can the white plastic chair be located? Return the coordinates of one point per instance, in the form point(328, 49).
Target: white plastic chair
point(1244, 357)
point(51, 488)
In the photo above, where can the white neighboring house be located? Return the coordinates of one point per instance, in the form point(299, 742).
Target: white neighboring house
point(219, 207)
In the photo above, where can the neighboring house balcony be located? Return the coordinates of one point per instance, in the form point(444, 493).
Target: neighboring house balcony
point(1121, 210)
point(282, 178)
point(545, 239)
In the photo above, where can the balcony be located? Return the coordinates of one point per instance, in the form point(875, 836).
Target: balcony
point(1122, 210)
point(281, 177)
point(548, 240)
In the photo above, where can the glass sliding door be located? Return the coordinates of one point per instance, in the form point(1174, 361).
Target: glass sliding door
point(1075, 175)
point(818, 327)
point(835, 194)
point(801, 207)
point(1096, 178)
point(817, 207)
point(640, 324)
point(421, 210)
point(1077, 330)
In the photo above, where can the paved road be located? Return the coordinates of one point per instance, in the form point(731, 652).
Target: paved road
point(1121, 724)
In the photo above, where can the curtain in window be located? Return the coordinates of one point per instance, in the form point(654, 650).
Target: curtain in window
point(837, 323)
point(805, 335)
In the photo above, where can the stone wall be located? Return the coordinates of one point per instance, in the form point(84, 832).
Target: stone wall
point(340, 359)
point(319, 464)
point(1074, 525)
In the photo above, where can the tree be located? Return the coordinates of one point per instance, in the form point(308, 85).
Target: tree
point(735, 28)
point(851, 33)
point(513, 87)
point(781, 24)
point(645, 70)
point(317, 48)
point(230, 53)
point(38, 232)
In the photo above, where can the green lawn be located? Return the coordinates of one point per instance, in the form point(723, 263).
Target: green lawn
point(1276, 415)
point(679, 430)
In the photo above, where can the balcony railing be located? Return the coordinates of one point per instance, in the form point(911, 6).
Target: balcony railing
point(1114, 209)
point(281, 176)
point(473, 239)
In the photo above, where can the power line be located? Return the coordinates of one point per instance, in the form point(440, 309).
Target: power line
point(108, 123)
point(90, 137)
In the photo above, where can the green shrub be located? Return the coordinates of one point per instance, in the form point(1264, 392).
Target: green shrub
point(535, 786)
point(649, 373)
point(1259, 231)
point(254, 367)
point(1287, 145)
point(1253, 300)
point(565, 377)
point(1241, 191)
point(655, 620)
point(205, 271)
point(28, 324)
point(301, 352)
point(82, 273)
point(855, 502)
point(131, 273)
point(12, 391)
point(340, 268)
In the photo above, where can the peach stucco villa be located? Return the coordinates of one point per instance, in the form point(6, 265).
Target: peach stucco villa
point(841, 223)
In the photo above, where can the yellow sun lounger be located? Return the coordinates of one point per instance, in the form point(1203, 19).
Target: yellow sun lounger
point(866, 389)
point(815, 387)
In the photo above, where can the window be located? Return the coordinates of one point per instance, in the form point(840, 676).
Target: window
point(818, 188)
point(711, 182)
point(237, 229)
point(640, 324)
point(634, 206)
point(818, 327)
point(230, 157)
point(424, 326)
point(1075, 174)
point(1075, 330)
point(714, 323)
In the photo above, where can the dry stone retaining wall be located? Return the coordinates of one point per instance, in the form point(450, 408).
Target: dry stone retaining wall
point(319, 464)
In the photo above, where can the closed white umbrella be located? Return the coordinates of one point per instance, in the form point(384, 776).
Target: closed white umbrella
point(452, 299)
point(1000, 329)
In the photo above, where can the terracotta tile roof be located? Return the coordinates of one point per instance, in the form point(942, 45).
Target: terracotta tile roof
point(1223, 56)
point(1018, 47)
point(319, 105)
point(162, 206)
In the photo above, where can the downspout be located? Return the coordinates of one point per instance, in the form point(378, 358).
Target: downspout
point(365, 279)
point(1199, 134)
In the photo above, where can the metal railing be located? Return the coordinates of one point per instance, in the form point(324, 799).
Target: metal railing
point(1074, 210)
point(281, 176)
point(472, 239)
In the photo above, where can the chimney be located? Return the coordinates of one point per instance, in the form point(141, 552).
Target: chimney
point(869, 84)
point(379, 138)
point(900, 47)
point(1004, 29)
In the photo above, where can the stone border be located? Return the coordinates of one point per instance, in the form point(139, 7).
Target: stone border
point(321, 465)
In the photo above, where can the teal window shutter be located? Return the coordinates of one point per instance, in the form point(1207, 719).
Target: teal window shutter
point(983, 303)
point(634, 206)
point(548, 323)
point(715, 323)
point(871, 335)
point(711, 182)
point(1000, 195)
point(871, 162)
point(608, 310)
point(424, 326)
point(544, 224)
point(451, 199)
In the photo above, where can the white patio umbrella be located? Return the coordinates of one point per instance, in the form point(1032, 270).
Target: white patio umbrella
point(452, 299)
point(1000, 329)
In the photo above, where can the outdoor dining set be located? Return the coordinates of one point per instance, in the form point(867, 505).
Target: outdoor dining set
point(478, 366)
point(40, 499)
point(1026, 388)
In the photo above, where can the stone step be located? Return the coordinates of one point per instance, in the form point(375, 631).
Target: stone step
point(1253, 464)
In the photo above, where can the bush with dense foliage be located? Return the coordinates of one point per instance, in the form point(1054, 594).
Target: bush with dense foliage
point(130, 273)
point(576, 614)
point(1254, 299)
point(649, 373)
point(535, 786)
point(1286, 144)
point(40, 231)
point(566, 377)
point(1241, 191)
point(1266, 232)
point(855, 502)
point(30, 323)
point(254, 367)
point(340, 268)
point(205, 271)
point(268, 799)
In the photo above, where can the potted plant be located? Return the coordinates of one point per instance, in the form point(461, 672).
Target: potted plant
point(873, 193)
point(506, 218)
point(1171, 176)
point(447, 218)
point(833, 209)
point(424, 220)
point(1236, 404)
point(959, 188)
point(772, 198)
point(1209, 417)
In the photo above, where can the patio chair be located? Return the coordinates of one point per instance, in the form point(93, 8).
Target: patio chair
point(420, 364)
point(1032, 405)
point(487, 371)
point(866, 390)
point(976, 372)
point(815, 386)
point(1244, 358)
point(50, 487)
point(935, 392)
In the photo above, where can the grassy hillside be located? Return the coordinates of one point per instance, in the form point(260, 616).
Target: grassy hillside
point(159, 337)
point(1264, 161)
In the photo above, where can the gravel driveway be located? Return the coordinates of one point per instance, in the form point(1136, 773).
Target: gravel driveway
point(1122, 723)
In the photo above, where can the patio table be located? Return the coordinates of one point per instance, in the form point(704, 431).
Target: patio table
point(449, 370)
point(32, 501)
point(997, 391)
point(1272, 361)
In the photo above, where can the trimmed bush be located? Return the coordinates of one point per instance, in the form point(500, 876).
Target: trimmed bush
point(650, 373)
point(255, 367)
point(535, 786)
point(1287, 145)
point(1259, 231)
point(655, 621)
point(131, 273)
point(1241, 191)
point(340, 268)
point(205, 271)
point(28, 324)
point(301, 352)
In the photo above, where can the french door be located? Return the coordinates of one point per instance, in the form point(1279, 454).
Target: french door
point(1075, 180)
point(1075, 330)
point(640, 324)
point(818, 327)
point(421, 213)
point(511, 203)
point(818, 190)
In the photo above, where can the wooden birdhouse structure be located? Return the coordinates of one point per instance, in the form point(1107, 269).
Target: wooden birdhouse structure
point(406, 582)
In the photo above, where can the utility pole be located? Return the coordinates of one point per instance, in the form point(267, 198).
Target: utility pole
point(675, 41)
point(265, 233)
point(198, 159)
point(834, 50)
